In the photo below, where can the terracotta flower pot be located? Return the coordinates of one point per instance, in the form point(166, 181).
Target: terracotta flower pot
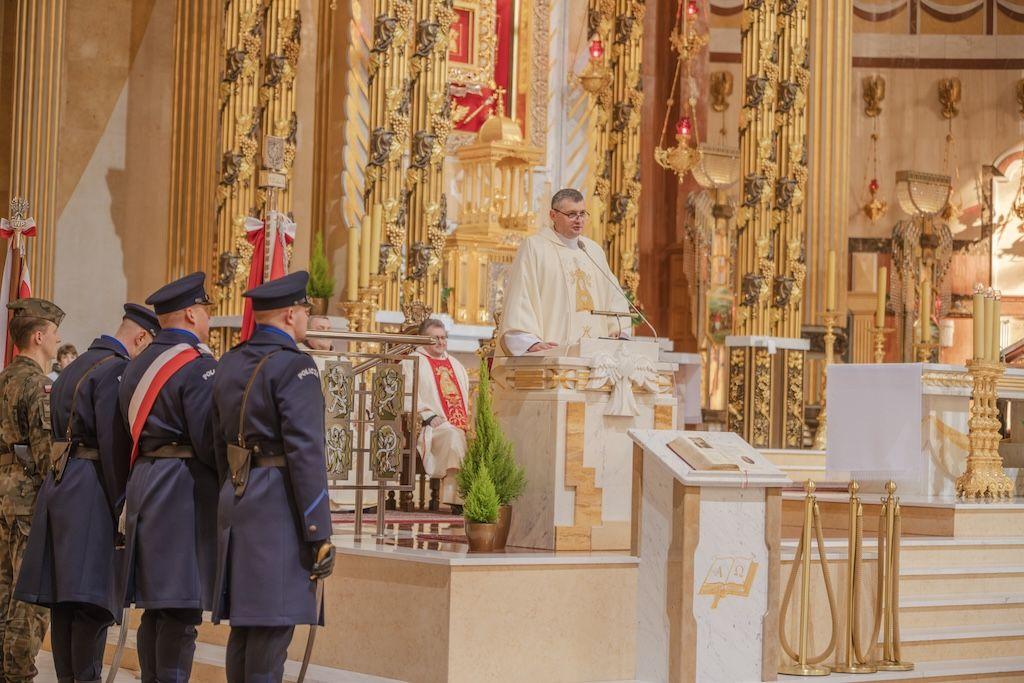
point(504, 522)
point(481, 536)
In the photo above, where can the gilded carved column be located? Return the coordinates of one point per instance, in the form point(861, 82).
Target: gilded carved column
point(194, 138)
point(431, 124)
point(243, 31)
point(257, 99)
point(765, 404)
point(36, 119)
point(389, 94)
point(618, 24)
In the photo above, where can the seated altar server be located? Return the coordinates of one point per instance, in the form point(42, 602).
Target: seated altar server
point(442, 400)
point(557, 279)
point(274, 521)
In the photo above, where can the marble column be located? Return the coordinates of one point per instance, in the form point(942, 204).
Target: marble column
point(35, 126)
point(191, 228)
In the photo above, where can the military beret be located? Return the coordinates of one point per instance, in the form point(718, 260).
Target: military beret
point(37, 308)
point(143, 317)
point(283, 292)
point(180, 294)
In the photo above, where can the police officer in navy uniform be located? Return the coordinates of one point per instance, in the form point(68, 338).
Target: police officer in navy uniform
point(274, 523)
point(171, 504)
point(69, 560)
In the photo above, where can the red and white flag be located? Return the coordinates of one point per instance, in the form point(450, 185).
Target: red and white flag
point(16, 283)
point(266, 267)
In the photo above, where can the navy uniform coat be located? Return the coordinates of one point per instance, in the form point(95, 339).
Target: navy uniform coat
point(268, 537)
point(70, 554)
point(171, 505)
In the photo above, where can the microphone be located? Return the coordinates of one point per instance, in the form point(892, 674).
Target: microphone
point(618, 287)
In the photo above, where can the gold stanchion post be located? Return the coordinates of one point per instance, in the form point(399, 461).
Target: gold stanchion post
point(889, 566)
point(852, 663)
point(805, 664)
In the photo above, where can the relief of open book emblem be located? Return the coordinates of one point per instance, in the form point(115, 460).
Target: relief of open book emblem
point(729, 576)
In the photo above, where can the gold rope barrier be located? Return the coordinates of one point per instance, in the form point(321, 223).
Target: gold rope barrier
point(854, 561)
point(889, 572)
point(806, 665)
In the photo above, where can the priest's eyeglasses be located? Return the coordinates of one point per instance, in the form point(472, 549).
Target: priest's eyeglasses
point(574, 215)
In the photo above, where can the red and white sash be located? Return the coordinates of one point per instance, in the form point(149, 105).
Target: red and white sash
point(153, 380)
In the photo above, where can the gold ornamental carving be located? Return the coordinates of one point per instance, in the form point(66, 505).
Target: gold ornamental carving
point(873, 92)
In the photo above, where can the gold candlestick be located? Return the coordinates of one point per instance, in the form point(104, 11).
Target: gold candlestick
point(878, 337)
point(821, 433)
point(984, 474)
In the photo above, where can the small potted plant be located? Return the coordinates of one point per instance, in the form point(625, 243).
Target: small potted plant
point(492, 448)
point(321, 285)
point(481, 512)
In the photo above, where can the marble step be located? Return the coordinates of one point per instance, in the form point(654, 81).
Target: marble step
point(928, 551)
point(960, 642)
point(943, 580)
point(961, 609)
point(989, 669)
point(787, 457)
point(208, 665)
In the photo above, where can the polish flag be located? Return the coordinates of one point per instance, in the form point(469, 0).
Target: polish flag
point(259, 272)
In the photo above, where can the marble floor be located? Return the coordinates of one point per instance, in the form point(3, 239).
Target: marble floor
point(44, 662)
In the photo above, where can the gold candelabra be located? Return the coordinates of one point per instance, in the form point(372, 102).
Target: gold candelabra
point(889, 530)
point(821, 433)
point(854, 661)
point(984, 475)
point(878, 337)
point(805, 664)
point(924, 351)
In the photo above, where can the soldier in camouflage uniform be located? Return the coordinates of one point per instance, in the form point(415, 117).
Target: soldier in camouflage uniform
point(24, 463)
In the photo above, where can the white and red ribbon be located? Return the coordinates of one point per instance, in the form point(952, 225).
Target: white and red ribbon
point(256, 234)
point(153, 380)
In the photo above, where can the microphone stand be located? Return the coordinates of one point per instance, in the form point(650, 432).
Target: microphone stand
point(618, 288)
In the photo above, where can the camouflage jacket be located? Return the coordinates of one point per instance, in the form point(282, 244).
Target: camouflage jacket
point(24, 419)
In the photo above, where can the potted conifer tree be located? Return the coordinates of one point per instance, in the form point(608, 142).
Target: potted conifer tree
point(481, 511)
point(490, 447)
point(321, 284)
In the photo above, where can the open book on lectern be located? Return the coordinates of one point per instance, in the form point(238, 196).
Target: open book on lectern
point(723, 451)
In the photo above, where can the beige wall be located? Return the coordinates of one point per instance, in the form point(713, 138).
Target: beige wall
point(115, 155)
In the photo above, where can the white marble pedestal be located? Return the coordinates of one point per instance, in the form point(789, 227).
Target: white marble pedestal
point(559, 412)
point(708, 587)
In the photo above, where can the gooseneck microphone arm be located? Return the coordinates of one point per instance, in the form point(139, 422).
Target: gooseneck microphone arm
point(618, 288)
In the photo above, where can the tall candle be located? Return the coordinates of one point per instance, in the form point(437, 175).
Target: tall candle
point(926, 311)
point(996, 328)
point(979, 325)
point(989, 317)
point(376, 230)
point(364, 252)
point(830, 281)
point(352, 265)
point(883, 281)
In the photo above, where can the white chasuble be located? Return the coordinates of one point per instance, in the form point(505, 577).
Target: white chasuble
point(553, 287)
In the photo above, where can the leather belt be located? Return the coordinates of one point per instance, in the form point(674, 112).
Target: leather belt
point(171, 450)
point(268, 461)
point(83, 453)
point(6, 459)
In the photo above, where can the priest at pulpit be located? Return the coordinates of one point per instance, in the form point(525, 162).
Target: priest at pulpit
point(558, 279)
point(442, 399)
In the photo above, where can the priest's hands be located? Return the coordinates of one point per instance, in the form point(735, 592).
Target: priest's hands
point(541, 346)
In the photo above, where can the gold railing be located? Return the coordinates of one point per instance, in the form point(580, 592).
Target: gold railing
point(370, 415)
